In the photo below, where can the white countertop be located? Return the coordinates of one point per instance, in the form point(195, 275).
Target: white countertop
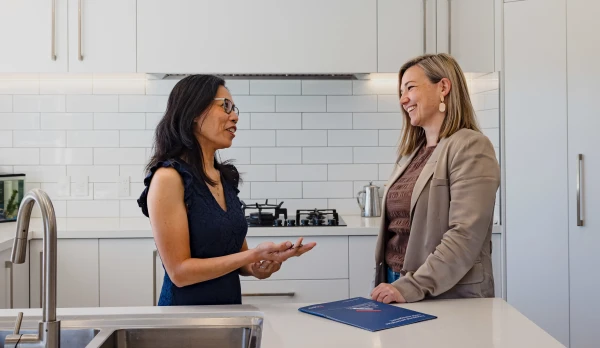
point(467, 323)
point(140, 228)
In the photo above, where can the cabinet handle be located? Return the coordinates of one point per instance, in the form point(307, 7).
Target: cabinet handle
point(288, 294)
point(154, 253)
point(41, 277)
point(450, 27)
point(579, 190)
point(9, 268)
point(79, 55)
point(424, 26)
point(53, 48)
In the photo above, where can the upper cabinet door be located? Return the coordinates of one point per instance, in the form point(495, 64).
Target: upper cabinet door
point(261, 36)
point(33, 36)
point(466, 30)
point(404, 31)
point(102, 36)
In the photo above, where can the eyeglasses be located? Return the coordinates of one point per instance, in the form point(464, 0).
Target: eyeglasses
point(229, 106)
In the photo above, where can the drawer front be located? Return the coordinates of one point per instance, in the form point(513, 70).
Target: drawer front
point(327, 260)
point(294, 291)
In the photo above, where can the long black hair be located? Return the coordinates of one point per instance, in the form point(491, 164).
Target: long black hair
point(174, 136)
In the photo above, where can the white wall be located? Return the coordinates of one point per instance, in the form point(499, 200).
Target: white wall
point(310, 143)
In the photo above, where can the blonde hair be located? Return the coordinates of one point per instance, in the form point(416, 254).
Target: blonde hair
point(459, 110)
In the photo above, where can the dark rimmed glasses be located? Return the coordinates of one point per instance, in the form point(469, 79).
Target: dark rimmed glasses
point(229, 106)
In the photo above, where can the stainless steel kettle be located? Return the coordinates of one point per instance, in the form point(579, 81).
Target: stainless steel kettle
point(371, 203)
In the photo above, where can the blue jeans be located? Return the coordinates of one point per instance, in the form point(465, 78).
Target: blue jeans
point(392, 276)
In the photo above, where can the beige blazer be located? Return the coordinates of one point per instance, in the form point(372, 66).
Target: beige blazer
point(449, 248)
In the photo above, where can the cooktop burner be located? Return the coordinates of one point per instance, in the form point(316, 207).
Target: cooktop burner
point(274, 215)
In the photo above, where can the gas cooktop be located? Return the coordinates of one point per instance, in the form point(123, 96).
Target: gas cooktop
point(265, 215)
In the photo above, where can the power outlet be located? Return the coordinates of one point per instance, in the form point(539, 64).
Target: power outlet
point(80, 186)
point(124, 186)
point(64, 186)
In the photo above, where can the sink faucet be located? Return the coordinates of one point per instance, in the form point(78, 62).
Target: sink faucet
point(48, 335)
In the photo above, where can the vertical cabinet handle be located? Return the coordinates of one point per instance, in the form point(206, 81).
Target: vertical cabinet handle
point(579, 189)
point(154, 253)
point(424, 26)
point(53, 32)
point(450, 27)
point(9, 268)
point(79, 55)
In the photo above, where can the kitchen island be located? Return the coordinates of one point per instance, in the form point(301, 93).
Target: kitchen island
point(466, 323)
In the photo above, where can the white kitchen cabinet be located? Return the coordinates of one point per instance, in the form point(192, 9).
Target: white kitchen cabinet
point(14, 280)
point(403, 32)
point(327, 260)
point(293, 291)
point(361, 264)
point(127, 272)
point(538, 193)
point(466, 30)
point(103, 38)
point(33, 36)
point(309, 36)
point(77, 273)
point(583, 122)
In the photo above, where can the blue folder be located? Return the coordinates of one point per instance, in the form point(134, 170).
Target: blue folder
point(366, 314)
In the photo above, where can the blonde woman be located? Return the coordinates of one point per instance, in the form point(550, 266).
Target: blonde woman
point(435, 235)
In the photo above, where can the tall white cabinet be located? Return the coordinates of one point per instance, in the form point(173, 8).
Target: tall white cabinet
point(550, 120)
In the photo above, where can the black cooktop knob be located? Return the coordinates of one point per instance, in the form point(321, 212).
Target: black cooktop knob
point(304, 222)
point(291, 222)
point(277, 222)
point(331, 222)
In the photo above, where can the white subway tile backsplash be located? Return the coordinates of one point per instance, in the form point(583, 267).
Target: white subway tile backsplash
point(160, 87)
point(492, 100)
point(92, 103)
point(6, 103)
point(34, 138)
point(325, 155)
point(304, 172)
point(326, 87)
point(483, 85)
point(347, 206)
point(275, 121)
point(39, 103)
point(360, 186)
point(16, 86)
point(276, 190)
point(305, 204)
point(68, 85)
point(68, 156)
point(276, 155)
point(142, 103)
point(238, 87)
point(94, 174)
point(377, 121)
point(240, 155)
point(344, 172)
point(99, 138)
point(18, 156)
point(301, 103)
point(136, 138)
point(385, 170)
point(248, 138)
point(388, 103)
point(44, 174)
point(244, 190)
point(301, 138)
point(489, 118)
point(360, 103)
point(6, 138)
point(494, 135)
point(327, 189)
point(243, 121)
point(136, 173)
point(123, 120)
point(135, 224)
point(375, 154)
point(6, 169)
point(105, 190)
point(152, 119)
point(60, 208)
point(257, 172)
point(478, 102)
point(339, 120)
point(129, 209)
point(77, 224)
point(384, 86)
point(67, 121)
point(275, 87)
point(254, 103)
point(116, 156)
point(93, 209)
point(353, 138)
point(19, 121)
point(110, 86)
point(390, 137)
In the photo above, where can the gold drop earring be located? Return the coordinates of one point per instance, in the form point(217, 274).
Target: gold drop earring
point(442, 107)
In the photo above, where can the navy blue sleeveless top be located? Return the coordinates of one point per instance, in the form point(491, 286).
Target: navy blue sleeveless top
point(213, 232)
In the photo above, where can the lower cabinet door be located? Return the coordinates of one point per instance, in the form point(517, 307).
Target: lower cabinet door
point(293, 291)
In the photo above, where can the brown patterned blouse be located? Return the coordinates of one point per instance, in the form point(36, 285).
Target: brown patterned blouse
point(397, 209)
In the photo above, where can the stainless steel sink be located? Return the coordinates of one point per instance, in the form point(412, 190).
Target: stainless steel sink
point(73, 338)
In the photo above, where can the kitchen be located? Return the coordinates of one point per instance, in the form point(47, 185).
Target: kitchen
point(319, 122)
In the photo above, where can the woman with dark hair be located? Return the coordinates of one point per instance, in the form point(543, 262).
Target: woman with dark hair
point(192, 201)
